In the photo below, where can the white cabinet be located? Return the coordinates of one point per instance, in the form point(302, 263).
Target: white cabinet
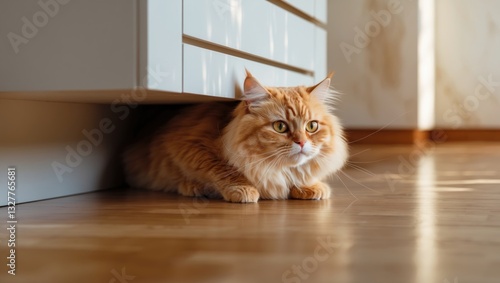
point(95, 51)
point(222, 75)
point(315, 9)
point(160, 45)
point(256, 27)
point(305, 6)
point(320, 10)
point(320, 50)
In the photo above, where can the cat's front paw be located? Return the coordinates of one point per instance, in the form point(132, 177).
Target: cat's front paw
point(241, 194)
point(317, 191)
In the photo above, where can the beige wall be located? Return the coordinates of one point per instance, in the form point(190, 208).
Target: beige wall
point(467, 57)
point(378, 76)
point(382, 81)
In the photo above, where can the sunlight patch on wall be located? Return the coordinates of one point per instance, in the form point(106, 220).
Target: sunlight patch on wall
point(426, 64)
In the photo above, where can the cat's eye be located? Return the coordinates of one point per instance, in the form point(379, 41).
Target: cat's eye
point(280, 126)
point(312, 126)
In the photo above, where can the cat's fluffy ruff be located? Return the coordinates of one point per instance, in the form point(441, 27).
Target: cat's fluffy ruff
point(208, 151)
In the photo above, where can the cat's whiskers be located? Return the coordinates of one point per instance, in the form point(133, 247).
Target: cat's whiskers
point(253, 163)
point(368, 162)
point(352, 179)
point(244, 155)
point(358, 153)
point(274, 154)
point(354, 165)
point(380, 129)
point(294, 183)
point(281, 154)
point(361, 169)
point(338, 176)
point(321, 154)
point(366, 171)
point(266, 171)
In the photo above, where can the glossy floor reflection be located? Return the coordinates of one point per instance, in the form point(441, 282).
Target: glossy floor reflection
point(398, 214)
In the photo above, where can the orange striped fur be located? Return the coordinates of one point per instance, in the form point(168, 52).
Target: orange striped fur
point(219, 150)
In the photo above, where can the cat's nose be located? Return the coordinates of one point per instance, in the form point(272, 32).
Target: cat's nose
point(301, 143)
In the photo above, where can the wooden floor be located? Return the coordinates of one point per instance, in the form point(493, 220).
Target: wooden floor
point(398, 214)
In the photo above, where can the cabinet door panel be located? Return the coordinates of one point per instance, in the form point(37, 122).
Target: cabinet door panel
point(257, 27)
point(81, 45)
point(320, 70)
point(320, 13)
point(160, 65)
point(306, 6)
point(211, 73)
point(314, 8)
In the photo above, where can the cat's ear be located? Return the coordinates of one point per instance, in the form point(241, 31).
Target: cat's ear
point(254, 93)
point(322, 89)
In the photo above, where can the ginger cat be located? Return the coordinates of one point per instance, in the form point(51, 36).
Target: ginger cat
point(277, 143)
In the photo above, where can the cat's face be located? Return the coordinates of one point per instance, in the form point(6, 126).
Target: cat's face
point(288, 126)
